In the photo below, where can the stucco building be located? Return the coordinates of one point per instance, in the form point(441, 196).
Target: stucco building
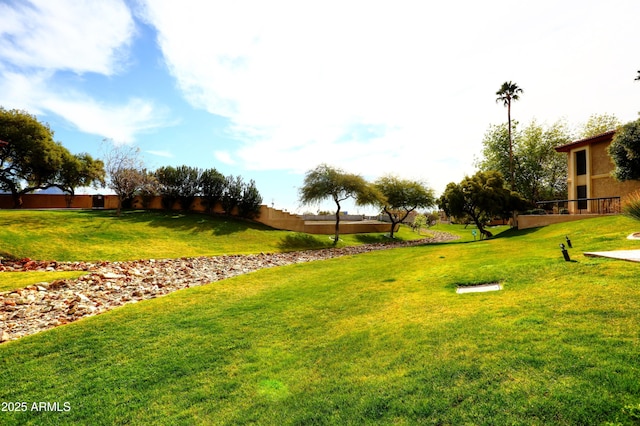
point(589, 181)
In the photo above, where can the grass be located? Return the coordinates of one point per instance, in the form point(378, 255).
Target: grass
point(92, 235)
point(380, 338)
point(13, 280)
point(100, 235)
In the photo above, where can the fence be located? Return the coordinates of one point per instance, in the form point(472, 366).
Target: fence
point(269, 216)
point(603, 205)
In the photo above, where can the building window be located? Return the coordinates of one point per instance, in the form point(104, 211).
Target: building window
point(582, 197)
point(581, 162)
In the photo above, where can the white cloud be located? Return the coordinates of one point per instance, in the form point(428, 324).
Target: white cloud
point(39, 39)
point(120, 122)
point(295, 78)
point(224, 157)
point(81, 36)
point(165, 154)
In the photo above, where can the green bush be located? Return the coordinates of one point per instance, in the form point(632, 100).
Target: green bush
point(631, 206)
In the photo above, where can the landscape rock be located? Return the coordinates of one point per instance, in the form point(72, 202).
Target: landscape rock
point(108, 285)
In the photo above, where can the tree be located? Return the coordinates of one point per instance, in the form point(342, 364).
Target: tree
point(124, 172)
point(232, 194)
point(598, 124)
point(328, 182)
point(168, 185)
point(509, 92)
point(401, 197)
point(212, 185)
point(541, 172)
point(78, 171)
point(149, 188)
point(180, 184)
point(480, 198)
point(30, 159)
point(250, 202)
point(625, 152)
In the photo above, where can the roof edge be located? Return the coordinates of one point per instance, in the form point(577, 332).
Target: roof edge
point(602, 137)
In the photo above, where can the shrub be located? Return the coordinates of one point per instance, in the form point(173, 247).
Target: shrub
point(249, 205)
point(535, 212)
point(631, 205)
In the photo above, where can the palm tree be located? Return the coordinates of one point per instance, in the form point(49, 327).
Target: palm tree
point(509, 92)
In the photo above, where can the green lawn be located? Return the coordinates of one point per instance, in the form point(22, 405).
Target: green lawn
point(379, 338)
point(100, 235)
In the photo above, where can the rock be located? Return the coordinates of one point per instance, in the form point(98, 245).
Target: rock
point(109, 285)
point(4, 336)
point(111, 276)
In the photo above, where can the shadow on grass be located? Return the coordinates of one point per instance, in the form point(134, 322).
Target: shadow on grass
point(197, 223)
point(303, 242)
point(375, 238)
point(514, 232)
point(7, 256)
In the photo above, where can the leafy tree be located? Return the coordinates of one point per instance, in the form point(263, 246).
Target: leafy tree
point(30, 159)
point(189, 185)
point(212, 186)
point(328, 182)
point(480, 198)
point(508, 93)
point(149, 188)
point(250, 202)
point(232, 194)
point(541, 171)
point(432, 218)
point(125, 173)
point(598, 124)
point(168, 185)
point(180, 184)
point(401, 197)
point(625, 152)
point(79, 171)
point(419, 221)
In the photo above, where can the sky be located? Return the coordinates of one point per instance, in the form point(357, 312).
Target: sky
point(271, 89)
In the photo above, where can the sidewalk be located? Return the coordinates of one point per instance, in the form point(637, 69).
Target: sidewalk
point(630, 255)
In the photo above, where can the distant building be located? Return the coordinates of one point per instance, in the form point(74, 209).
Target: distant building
point(589, 179)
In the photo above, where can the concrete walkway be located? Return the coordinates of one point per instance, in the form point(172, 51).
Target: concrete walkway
point(630, 255)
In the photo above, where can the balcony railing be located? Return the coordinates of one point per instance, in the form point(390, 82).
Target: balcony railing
point(603, 205)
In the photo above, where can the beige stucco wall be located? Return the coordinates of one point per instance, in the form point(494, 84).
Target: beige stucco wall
point(274, 218)
point(598, 179)
point(535, 221)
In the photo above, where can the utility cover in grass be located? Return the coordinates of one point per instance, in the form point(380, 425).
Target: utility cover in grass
point(480, 288)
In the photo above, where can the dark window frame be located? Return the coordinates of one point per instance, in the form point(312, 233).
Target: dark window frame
point(581, 162)
point(581, 195)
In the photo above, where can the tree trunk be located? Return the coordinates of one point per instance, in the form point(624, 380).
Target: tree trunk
point(337, 231)
point(395, 222)
point(17, 200)
point(510, 148)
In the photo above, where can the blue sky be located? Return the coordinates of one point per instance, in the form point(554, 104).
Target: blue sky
point(269, 90)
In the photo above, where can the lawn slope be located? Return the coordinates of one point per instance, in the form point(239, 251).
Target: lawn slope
point(92, 235)
point(379, 338)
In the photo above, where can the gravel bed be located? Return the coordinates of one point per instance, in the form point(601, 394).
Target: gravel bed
point(108, 285)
